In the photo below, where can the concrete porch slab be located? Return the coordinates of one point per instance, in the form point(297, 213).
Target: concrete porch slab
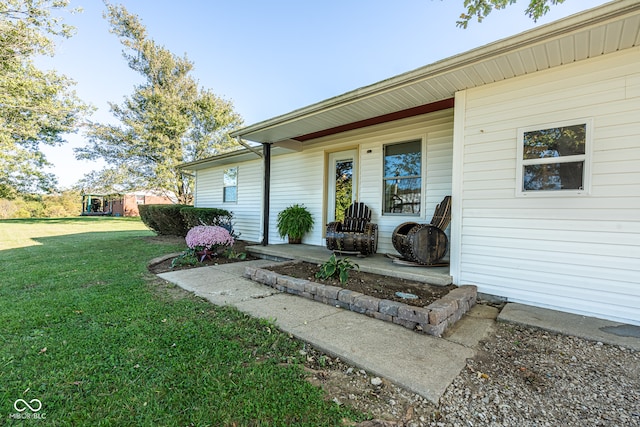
point(378, 263)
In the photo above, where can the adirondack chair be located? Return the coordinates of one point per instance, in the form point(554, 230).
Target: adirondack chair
point(425, 244)
point(355, 234)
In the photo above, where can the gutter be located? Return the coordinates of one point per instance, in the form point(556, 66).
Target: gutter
point(266, 193)
point(248, 147)
point(229, 154)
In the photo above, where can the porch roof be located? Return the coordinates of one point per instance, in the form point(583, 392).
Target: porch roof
point(611, 27)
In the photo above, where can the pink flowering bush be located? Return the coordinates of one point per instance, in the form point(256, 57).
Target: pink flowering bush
point(208, 237)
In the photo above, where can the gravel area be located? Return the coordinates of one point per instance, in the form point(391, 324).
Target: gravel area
point(520, 376)
point(525, 376)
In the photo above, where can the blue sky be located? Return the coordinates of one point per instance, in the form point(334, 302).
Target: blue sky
point(271, 57)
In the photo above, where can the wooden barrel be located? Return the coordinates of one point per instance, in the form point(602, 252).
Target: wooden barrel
point(399, 236)
point(421, 243)
point(365, 243)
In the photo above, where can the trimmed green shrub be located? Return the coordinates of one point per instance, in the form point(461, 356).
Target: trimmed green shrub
point(164, 219)
point(147, 218)
point(177, 220)
point(207, 216)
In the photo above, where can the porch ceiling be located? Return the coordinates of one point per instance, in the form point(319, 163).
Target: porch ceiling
point(595, 32)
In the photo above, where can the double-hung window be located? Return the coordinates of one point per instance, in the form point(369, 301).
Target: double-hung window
point(403, 178)
point(230, 185)
point(554, 159)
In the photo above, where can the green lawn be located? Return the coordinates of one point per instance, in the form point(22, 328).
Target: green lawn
point(86, 330)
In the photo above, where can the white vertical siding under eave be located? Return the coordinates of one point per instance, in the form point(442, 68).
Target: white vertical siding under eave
point(247, 212)
point(579, 254)
point(300, 177)
point(297, 178)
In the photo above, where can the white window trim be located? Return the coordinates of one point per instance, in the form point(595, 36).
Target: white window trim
point(586, 157)
point(423, 185)
point(226, 186)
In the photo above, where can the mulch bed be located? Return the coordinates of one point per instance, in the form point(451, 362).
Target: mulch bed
point(383, 287)
point(165, 265)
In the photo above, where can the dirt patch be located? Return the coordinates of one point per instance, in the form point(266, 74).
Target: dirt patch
point(166, 291)
point(382, 287)
point(169, 240)
point(387, 404)
point(163, 264)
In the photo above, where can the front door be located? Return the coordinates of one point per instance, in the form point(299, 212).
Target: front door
point(341, 183)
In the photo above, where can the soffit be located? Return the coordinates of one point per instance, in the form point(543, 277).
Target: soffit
point(232, 157)
point(609, 28)
point(235, 157)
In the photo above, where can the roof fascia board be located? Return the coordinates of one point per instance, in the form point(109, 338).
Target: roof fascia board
point(402, 114)
point(238, 156)
point(197, 164)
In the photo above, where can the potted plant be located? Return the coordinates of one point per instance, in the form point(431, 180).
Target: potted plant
point(294, 222)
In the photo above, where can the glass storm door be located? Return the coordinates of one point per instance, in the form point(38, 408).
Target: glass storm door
point(341, 184)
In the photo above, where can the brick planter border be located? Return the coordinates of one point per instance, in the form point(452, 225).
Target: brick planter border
point(433, 319)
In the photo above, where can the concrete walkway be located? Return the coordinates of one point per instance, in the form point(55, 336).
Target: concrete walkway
point(421, 363)
point(589, 328)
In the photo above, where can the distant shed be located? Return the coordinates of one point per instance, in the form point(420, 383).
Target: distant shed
point(119, 204)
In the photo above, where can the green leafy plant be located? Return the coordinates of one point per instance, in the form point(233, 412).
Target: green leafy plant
point(294, 221)
point(187, 257)
point(335, 267)
point(231, 254)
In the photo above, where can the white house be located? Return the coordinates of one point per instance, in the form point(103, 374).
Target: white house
point(536, 137)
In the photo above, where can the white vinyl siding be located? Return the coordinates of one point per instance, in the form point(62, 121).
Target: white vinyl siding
point(300, 177)
point(247, 210)
point(297, 178)
point(580, 255)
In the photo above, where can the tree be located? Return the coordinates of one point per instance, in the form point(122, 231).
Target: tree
point(168, 120)
point(55, 205)
point(481, 8)
point(36, 107)
point(110, 180)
